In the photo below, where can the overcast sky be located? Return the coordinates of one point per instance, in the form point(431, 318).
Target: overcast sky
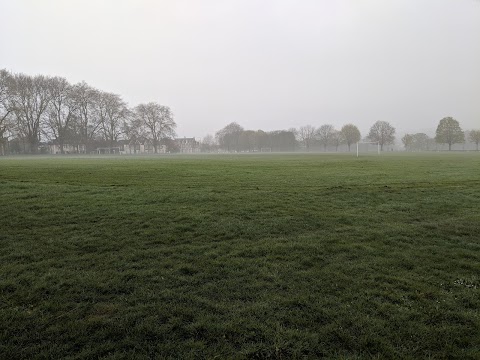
point(266, 64)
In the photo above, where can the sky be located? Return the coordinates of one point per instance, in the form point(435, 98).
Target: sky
point(269, 64)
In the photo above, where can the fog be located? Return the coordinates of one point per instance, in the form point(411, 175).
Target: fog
point(264, 64)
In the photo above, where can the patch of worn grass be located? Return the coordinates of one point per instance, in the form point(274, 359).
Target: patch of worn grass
point(265, 256)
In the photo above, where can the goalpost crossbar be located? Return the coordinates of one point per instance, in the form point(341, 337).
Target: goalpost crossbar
point(371, 142)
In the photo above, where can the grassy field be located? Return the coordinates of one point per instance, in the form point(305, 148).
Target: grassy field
point(247, 256)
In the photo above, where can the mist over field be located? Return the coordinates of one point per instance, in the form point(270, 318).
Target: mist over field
point(228, 179)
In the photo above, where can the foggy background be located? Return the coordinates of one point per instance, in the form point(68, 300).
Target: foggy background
point(272, 64)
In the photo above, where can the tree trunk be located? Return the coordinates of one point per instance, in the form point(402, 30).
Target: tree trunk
point(33, 144)
point(449, 146)
point(349, 147)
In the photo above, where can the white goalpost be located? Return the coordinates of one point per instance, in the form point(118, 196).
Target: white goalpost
point(372, 142)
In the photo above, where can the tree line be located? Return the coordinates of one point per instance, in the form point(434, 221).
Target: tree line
point(448, 132)
point(42, 108)
point(38, 108)
point(234, 137)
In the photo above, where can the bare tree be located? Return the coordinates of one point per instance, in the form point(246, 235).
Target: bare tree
point(134, 131)
point(6, 108)
point(158, 120)
point(383, 133)
point(208, 143)
point(474, 136)
point(61, 110)
point(112, 112)
point(30, 99)
point(337, 139)
point(351, 134)
point(325, 134)
point(306, 135)
point(88, 119)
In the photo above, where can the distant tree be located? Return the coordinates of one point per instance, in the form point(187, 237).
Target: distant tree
point(61, 111)
point(407, 141)
point(282, 140)
point(73, 134)
point(262, 140)
point(229, 136)
point(449, 132)
point(306, 135)
point(432, 144)
point(293, 131)
point(324, 134)
point(416, 142)
point(112, 112)
point(421, 142)
point(158, 121)
point(337, 139)
point(474, 137)
point(6, 108)
point(208, 143)
point(351, 134)
point(383, 133)
point(246, 140)
point(30, 97)
point(134, 131)
point(88, 119)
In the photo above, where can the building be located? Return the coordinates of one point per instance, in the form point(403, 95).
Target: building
point(140, 147)
point(187, 145)
point(54, 148)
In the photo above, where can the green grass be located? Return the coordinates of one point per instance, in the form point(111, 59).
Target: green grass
point(265, 256)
